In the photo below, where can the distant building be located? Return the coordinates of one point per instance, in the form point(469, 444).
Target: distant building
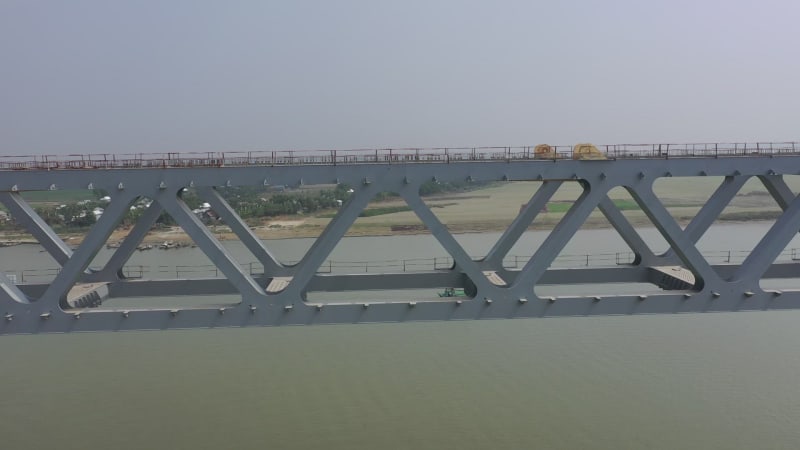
point(206, 214)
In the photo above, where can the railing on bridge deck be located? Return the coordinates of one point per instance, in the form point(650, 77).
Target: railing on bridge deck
point(386, 156)
point(512, 262)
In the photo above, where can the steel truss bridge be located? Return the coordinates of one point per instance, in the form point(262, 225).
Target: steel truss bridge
point(689, 282)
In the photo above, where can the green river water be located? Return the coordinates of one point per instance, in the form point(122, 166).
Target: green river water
point(705, 381)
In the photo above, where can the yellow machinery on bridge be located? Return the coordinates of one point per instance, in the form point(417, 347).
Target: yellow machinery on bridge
point(587, 152)
point(579, 152)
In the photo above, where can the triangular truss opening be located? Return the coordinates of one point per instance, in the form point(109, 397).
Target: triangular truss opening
point(150, 244)
point(166, 233)
point(683, 254)
point(778, 276)
point(413, 247)
point(741, 206)
point(607, 238)
point(612, 235)
point(555, 198)
point(469, 207)
point(748, 215)
point(250, 218)
point(683, 197)
point(409, 248)
point(55, 219)
point(276, 225)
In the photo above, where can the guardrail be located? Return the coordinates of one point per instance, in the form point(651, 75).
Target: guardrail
point(511, 262)
point(444, 155)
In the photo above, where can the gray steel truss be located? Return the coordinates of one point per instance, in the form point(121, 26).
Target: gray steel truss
point(278, 296)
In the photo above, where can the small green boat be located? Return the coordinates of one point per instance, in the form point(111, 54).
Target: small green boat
point(452, 292)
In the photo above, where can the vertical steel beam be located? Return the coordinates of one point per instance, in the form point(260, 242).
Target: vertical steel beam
point(271, 265)
point(218, 254)
point(494, 258)
point(25, 215)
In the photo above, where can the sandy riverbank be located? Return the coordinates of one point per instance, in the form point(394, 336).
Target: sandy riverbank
point(487, 210)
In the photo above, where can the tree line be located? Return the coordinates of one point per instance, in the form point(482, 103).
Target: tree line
point(250, 202)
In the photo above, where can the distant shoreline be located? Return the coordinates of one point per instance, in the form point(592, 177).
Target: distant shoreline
point(175, 237)
point(488, 210)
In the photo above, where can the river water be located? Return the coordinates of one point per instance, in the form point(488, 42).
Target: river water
point(725, 381)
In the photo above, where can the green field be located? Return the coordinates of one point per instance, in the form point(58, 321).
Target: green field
point(495, 207)
point(564, 206)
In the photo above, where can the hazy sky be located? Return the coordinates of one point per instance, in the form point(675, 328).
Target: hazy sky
point(168, 75)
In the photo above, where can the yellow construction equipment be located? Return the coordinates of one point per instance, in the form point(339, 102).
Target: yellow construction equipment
point(587, 151)
point(544, 151)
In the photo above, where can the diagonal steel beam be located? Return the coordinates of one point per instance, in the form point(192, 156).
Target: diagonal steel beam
point(626, 231)
point(711, 210)
point(558, 238)
point(113, 268)
point(771, 245)
point(82, 257)
point(10, 292)
point(521, 223)
point(714, 206)
point(448, 242)
point(26, 216)
point(674, 235)
point(271, 265)
point(778, 189)
point(304, 271)
point(218, 254)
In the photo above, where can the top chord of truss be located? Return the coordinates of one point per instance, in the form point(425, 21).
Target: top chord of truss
point(387, 155)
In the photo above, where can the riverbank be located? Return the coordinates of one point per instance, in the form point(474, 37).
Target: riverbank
point(312, 227)
point(486, 210)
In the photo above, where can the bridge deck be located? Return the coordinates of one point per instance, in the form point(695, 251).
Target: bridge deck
point(388, 156)
point(278, 295)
